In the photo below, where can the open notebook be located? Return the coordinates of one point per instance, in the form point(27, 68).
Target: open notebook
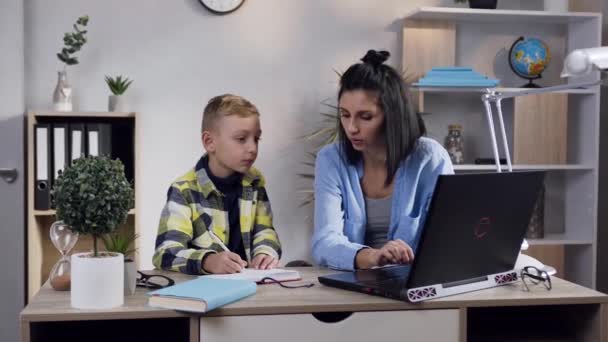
point(277, 274)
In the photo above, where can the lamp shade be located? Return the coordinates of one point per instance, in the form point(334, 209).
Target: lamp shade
point(582, 61)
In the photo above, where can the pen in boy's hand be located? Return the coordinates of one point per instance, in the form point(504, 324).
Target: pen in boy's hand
point(218, 241)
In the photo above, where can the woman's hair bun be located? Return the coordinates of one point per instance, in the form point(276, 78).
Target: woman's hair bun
point(375, 58)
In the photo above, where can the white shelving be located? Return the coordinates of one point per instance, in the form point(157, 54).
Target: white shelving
point(498, 16)
point(480, 39)
point(559, 239)
point(551, 167)
point(477, 91)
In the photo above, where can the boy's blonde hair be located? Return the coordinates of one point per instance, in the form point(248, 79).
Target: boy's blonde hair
point(224, 105)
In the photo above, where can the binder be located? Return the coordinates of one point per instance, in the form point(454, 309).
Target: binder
point(61, 149)
point(42, 166)
point(77, 141)
point(99, 139)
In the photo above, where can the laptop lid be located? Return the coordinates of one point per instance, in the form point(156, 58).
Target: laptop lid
point(475, 226)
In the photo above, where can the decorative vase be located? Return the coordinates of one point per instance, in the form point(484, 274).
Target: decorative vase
point(117, 103)
point(62, 96)
point(483, 4)
point(97, 282)
point(130, 276)
point(556, 6)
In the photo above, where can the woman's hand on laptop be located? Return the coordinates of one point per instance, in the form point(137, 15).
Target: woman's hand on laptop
point(396, 252)
point(393, 252)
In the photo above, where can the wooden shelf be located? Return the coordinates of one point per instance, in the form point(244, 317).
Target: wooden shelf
point(498, 16)
point(559, 239)
point(41, 254)
point(550, 167)
point(45, 113)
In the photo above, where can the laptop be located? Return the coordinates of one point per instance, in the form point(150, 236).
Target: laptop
point(470, 239)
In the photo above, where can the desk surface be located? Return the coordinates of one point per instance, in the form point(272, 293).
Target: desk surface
point(50, 305)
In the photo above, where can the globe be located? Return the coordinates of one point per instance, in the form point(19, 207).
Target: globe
point(528, 58)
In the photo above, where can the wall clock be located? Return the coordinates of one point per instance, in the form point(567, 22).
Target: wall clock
point(222, 6)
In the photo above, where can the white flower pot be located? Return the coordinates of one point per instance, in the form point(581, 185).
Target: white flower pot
point(556, 5)
point(130, 277)
point(117, 103)
point(97, 283)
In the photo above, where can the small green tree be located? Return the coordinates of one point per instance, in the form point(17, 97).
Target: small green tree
point(93, 196)
point(74, 41)
point(118, 85)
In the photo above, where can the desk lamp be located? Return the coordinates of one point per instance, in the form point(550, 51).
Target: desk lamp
point(578, 63)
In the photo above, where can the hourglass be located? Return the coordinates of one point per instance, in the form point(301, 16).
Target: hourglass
point(63, 239)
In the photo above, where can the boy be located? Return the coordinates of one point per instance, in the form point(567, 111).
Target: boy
point(217, 218)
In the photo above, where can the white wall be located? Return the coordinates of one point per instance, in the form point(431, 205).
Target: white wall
point(278, 53)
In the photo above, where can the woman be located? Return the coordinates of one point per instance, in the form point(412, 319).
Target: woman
point(372, 187)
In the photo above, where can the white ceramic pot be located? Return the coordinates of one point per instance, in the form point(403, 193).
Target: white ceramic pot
point(117, 103)
point(130, 277)
point(97, 283)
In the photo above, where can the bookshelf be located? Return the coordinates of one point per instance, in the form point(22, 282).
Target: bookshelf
point(440, 36)
point(41, 254)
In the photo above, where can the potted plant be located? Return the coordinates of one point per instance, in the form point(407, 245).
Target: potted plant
point(93, 197)
point(483, 4)
point(118, 86)
point(123, 244)
point(73, 42)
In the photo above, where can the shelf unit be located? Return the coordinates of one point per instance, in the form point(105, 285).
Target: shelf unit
point(41, 254)
point(440, 36)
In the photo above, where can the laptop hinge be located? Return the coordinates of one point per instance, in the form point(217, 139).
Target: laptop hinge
point(464, 282)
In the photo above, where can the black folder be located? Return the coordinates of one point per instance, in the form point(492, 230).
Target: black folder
point(61, 148)
point(42, 166)
point(77, 141)
point(99, 139)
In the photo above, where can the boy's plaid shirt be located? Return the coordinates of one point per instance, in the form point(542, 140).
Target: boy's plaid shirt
point(194, 206)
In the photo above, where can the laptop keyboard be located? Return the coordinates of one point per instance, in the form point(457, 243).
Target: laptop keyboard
point(391, 283)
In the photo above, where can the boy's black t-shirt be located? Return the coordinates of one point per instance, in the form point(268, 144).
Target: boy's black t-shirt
point(232, 188)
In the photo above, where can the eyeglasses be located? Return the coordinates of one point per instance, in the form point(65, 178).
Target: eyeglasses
point(535, 277)
point(269, 280)
point(153, 281)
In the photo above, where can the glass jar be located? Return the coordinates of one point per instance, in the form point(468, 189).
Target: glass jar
point(454, 144)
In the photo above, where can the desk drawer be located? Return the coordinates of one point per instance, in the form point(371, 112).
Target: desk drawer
point(415, 325)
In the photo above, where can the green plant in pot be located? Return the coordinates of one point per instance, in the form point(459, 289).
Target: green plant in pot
point(118, 86)
point(482, 4)
point(124, 244)
point(93, 197)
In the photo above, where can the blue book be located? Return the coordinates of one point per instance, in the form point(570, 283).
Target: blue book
point(202, 294)
point(456, 77)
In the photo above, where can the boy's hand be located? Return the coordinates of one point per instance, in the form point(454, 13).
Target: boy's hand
point(224, 262)
point(264, 262)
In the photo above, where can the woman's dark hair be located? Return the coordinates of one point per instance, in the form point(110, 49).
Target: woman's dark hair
point(402, 126)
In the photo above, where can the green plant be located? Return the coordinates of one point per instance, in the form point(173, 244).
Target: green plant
point(324, 135)
point(119, 243)
point(93, 196)
point(118, 85)
point(74, 41)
